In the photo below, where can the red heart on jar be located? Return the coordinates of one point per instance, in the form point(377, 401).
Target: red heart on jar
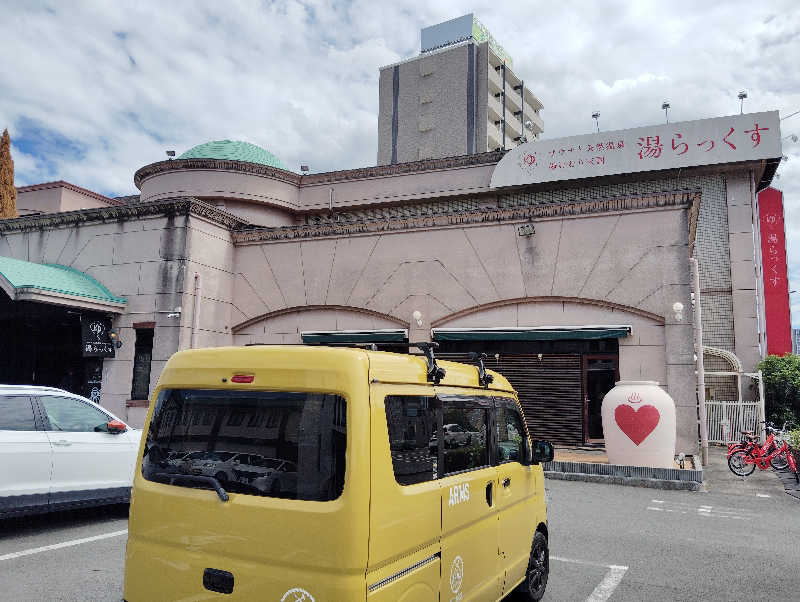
point(637, 424)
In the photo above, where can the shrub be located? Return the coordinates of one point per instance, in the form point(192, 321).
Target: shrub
point(781, 387)
point(793, 439)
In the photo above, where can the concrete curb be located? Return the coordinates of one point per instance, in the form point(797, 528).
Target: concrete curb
point(629, 481)
point(633, 476)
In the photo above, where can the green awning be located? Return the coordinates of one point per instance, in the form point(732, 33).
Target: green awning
point(554, 333)
point(55, 284)
point(355, 336)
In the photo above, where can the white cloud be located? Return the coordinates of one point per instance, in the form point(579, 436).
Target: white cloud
point(125, 81)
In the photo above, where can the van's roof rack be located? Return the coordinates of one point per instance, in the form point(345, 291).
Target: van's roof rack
point(484, 378)
point(435, 373)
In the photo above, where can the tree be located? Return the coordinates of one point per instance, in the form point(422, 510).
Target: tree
point(8, 193)
point(782, 387)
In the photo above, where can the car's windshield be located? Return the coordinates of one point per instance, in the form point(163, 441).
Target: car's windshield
point(289, 445)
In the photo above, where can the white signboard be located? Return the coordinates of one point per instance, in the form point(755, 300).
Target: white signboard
point(684, 144)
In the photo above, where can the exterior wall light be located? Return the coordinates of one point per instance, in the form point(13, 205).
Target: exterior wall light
point(112, 334)
point(417, 315)
point(677, 307)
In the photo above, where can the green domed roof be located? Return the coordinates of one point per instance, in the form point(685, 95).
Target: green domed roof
point(233, 150)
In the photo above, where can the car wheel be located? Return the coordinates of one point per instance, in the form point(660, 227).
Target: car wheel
point(538, 570)
point(468, 440)
point(275, 490)
point(222, 478)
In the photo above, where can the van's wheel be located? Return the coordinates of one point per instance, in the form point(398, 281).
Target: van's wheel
point(222, 478)
point(538, 569)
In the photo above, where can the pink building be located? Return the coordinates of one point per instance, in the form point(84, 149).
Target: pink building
point(567, 261)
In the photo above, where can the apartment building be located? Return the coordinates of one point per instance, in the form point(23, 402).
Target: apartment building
point(460, 96)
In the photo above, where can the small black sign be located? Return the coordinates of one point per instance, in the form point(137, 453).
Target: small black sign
point(95, 337)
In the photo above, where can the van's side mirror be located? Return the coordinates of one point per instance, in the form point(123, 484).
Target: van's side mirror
point(543, 451)
point(526, 453)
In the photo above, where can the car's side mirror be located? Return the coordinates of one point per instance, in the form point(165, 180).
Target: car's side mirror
point(543, 451)
point(116, 426)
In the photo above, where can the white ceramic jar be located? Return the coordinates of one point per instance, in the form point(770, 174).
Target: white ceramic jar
point(639, 424)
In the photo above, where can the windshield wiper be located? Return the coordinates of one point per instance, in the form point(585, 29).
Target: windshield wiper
point(215, 484)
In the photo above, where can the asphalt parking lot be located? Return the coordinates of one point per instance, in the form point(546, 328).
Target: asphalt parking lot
point(77, 555)
point(608, 542)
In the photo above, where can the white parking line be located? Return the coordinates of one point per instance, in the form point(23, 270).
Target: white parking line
point(64, 544)
point(703, 510)
point(609, 583)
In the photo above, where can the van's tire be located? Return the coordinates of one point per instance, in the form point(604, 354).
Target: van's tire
point(538, 570)
point(222, 478)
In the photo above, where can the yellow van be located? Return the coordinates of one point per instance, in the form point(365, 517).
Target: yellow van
point(318, 474)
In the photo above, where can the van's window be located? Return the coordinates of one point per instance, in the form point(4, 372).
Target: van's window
point(510, 434)
point(297, 452)
point(464, 436)
point(412, 438)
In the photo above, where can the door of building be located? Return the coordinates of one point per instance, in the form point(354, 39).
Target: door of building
point(600, 372)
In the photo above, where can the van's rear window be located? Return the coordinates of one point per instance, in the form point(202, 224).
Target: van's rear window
point(275, 444)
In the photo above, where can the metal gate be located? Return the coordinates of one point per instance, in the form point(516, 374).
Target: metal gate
point(549, 389)
point(727, 418)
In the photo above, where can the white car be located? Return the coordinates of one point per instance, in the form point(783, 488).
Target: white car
point(280, 480)
point(59, 450)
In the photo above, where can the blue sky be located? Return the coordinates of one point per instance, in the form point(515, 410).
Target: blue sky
point(91, 91)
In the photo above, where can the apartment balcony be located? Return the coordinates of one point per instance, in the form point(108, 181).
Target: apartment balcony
point(495, 107)
point(495, 81)
point(532, 100)
point(513, 125)
point(535, 119)
point(494, 136)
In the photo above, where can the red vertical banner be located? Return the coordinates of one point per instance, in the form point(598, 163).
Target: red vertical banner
point(776, 281)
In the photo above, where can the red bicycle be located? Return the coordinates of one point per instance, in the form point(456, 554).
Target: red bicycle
point(743, 462)
point(749, 443)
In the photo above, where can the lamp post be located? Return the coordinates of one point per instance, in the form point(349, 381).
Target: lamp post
point(665, 107)
point(741, 96)
point(596, 117)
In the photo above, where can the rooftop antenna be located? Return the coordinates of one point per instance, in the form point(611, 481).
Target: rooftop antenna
point(596, 117)
point(741, 96)
point(665, 108)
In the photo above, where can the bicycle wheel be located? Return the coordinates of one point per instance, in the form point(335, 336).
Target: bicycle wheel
point(779, 462)
point(739, 466)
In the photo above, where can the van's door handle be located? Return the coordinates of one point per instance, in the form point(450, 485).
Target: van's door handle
point(507, 482)
point(62, 442)
point(489, 493)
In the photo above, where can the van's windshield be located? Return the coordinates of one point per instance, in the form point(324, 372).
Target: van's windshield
point(265, 443)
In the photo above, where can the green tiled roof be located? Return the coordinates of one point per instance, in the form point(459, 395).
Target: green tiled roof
point(233, 150)
point(54, 278)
